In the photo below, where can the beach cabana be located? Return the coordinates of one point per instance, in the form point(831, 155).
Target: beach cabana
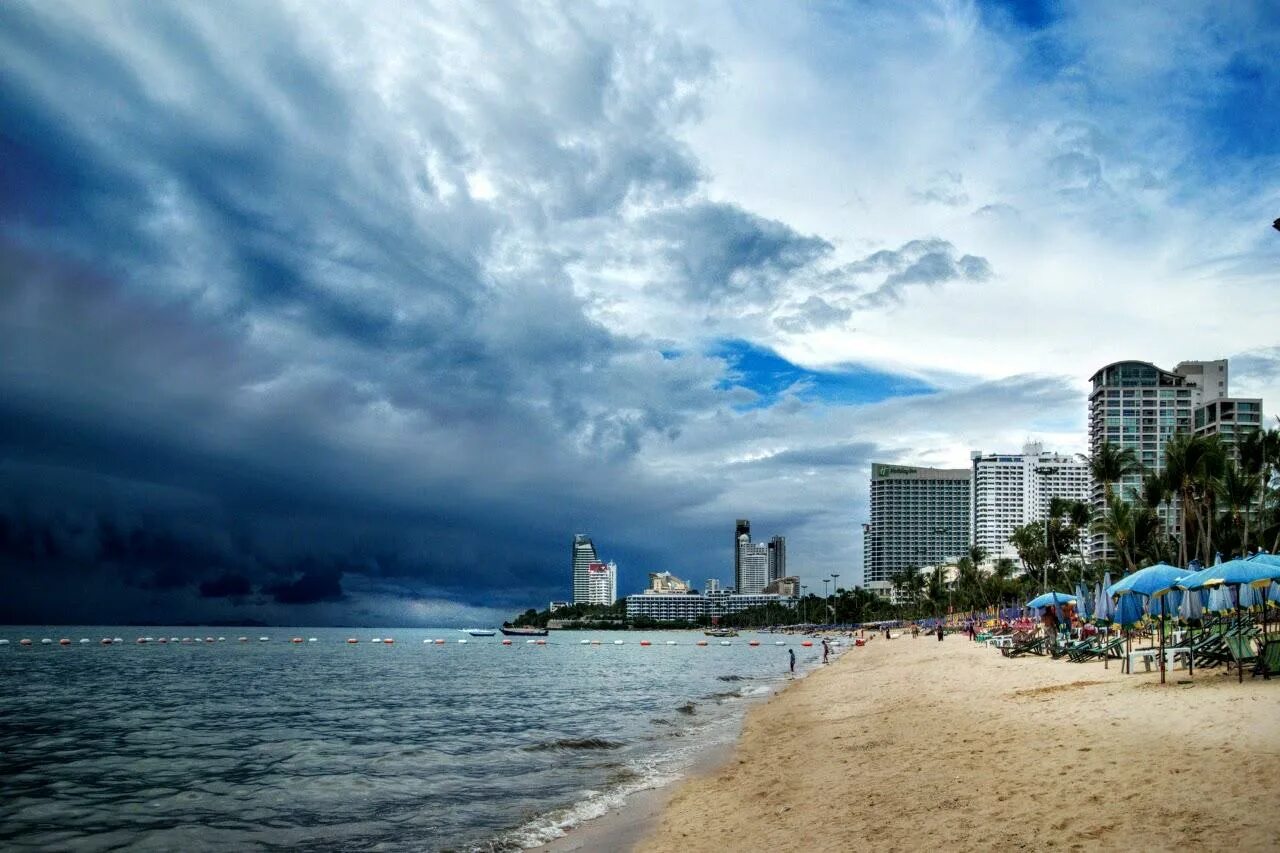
point(1154, 584)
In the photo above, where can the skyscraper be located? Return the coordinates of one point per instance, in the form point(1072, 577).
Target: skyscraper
point(777, 558)
point(1012, 489)
point(753, 566)
point(741, 529)
point(584, 554)
point(919, 517)
point(1136, 405)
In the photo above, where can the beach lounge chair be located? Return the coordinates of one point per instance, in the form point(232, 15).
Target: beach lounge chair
point(1241, 648)
point(1027, 647)
point(1268, 663)
point(1084, 650)
point(1113, 648)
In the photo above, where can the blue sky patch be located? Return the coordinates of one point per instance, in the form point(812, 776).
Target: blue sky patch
point(769, 375)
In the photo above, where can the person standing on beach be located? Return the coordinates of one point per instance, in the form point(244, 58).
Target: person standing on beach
point(939, 632)
point(792, 652)
point(826, 649)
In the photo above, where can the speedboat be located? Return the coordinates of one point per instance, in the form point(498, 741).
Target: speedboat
point(480, 632)
point(524, 632)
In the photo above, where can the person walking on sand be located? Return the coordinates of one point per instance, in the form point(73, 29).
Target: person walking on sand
point(826, 649)
point(939, 632)
point(792, 652)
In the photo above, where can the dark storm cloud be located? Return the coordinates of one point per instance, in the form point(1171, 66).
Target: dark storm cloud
point(719, 251)
point(289, 320)
point(257, 332)
point(315, 585)
point(226, 586)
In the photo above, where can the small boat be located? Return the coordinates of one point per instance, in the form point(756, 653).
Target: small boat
point(480, 632)
point(524, 632)
point(721, 632)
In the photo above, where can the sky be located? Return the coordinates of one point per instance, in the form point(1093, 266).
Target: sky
point(354, 313)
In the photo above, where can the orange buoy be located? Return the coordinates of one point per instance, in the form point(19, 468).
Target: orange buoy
point(106, 641)
point(702, 642)
point(540, 642)
point(389, 641)
point(64, 642)
point(439, 642)
point(645, 643)
point(807, 643)
point(295, 640)
point(506, 642)
point(24, 642)
point(754, 643)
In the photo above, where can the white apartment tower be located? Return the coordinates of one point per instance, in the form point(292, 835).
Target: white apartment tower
point(919, 517)
point(1136, 405)
point(1012, 489)
point(602, 583)
point(753, 566)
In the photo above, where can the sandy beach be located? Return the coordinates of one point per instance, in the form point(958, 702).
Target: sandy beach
point(919, 744)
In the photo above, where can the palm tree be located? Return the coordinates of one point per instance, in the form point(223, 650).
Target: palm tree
point(1120, 527)
point(1183, 464)
point(1080, 515)
point(1239, 491)
point(1109, 464)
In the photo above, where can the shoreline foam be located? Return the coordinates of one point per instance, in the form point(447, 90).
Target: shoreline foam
point(620, 818)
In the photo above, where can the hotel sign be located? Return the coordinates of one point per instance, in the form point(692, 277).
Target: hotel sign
point(890, 470)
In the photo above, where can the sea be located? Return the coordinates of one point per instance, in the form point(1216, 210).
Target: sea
point(267, 744)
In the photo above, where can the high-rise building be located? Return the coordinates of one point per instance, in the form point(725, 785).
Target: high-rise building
point(1229, 418)
point(1012, 489)
point(777, 558)
point(919, 516)
point(740, 529)
point(584, 554)
point(1136, 405)
point(602, 583)
point(753, 567)
point(713, 585)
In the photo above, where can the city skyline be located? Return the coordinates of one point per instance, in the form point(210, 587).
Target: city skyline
point(302, 323)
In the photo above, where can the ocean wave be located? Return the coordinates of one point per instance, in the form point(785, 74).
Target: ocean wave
point(567, 743)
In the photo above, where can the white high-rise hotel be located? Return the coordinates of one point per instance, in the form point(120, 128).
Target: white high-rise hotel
point(919, 517)
point(1012, 489)
point(594, 582)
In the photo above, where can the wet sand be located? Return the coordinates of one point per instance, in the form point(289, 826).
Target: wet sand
point(916, 744)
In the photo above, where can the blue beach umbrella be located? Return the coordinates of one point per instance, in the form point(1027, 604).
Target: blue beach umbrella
point(1084, 604)
point(1052, 599)
point(1153, 587)
point(1249, 596)
point(1151, 581)
point(1232, 573)
point(1192, 605)
point(1103, 609)
point(1128, 611)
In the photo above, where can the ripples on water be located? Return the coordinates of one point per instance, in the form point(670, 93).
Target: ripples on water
point(323, 745)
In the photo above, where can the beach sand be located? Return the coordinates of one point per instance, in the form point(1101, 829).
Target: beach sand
point(916, 744)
